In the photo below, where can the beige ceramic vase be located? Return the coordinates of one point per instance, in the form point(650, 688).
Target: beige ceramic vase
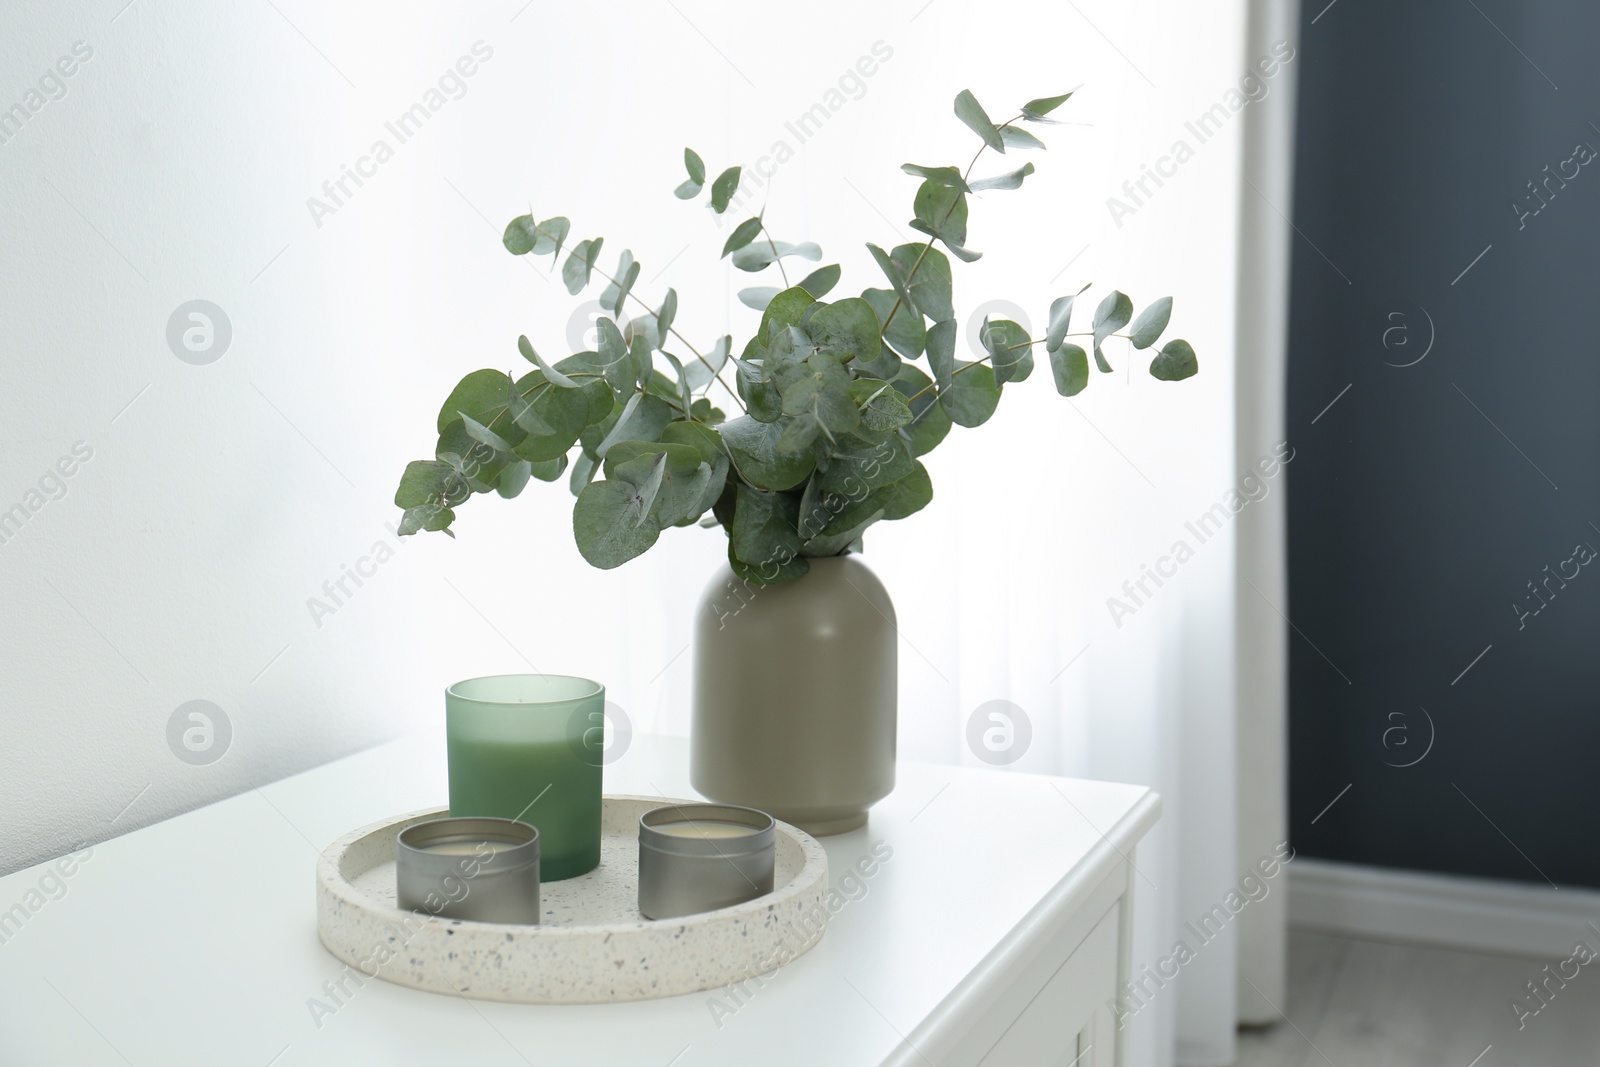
point(794, 695)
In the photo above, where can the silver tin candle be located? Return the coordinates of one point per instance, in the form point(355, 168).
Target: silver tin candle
point(482, 869)
point(700, 857)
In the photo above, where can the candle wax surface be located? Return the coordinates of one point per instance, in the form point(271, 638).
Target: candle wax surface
point(467, 848)
point(704, 829)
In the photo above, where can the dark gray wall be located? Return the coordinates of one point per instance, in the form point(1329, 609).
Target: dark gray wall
point(1423, 502)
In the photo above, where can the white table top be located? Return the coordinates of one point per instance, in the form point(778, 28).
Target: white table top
point(194, 941)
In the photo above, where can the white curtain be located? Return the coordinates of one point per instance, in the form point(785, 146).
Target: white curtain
point(351, 325)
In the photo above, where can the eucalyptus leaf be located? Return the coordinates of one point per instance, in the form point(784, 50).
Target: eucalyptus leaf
point(929, 423)
point(971, 395)
point(513, 478)
point(583, 472)
point(1152, 320)
point(827, 544)
point(1017, 137)
point(645, 473)
point(942, 351)
point(616, 293)
point(688, 190)
point(430, 481)
point(519, 235)
point(1060, 320)
point(969, 111)
point(758, 296)
point(481, 394)
point(900, 498)
point(950, 176)
point(902, 326)
point(723, 188)
point(425, 517)
point(700, 372)
point(580, 263)
point(695, 166)
point(706, 442)
point(941, 212)
point(550, 469)
point(612, 524)
point(685, 391)
point(760, 394)
point(1069, 364)
point(764, 527)
point(479, 432)
point(1112, 315)
point(553, 376)
point(753, 447)
point(615, 358)
point(1038, 109)
point(1010, 350)
point(642, 419)
point(784, 311)
point(742, 235)
point(1175, 362)
point(666, 316)
point(881, 405)
point(1012, 180)
point(863, 462)
point(799, 433)
point(846, 329)
point(763, 254)
point(820, 282)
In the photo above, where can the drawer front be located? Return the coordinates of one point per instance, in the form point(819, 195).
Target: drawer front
point(1069, 1024)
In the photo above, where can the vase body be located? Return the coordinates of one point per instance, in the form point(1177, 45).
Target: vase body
point(795, 695)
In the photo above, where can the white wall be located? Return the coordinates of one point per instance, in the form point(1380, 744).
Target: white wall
point(219, 498)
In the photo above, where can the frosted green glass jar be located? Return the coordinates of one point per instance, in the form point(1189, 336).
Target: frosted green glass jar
point(530, 747)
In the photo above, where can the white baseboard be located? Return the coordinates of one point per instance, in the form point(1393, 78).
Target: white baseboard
point(1438, 909)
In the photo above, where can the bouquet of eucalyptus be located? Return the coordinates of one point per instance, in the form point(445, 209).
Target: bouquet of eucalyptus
point(833, 409)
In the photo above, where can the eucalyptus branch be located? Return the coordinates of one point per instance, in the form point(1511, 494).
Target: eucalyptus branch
point(715, 373)
point(773, 245)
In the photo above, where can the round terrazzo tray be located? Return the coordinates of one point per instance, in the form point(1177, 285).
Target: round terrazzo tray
point(593, 946)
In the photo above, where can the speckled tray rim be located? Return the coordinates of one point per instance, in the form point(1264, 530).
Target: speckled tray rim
point(753, 933)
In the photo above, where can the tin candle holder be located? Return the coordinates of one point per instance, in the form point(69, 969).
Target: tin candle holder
point(482, 869)
point(700, 857)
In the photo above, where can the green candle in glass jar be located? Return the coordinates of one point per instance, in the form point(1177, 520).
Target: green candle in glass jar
point(529, 747)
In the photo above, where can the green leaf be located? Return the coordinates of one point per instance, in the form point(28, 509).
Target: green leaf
point(685, 392)
point(645, 473)
point(1112, 315)
point(596, 391)
point(700, 372)
point(799, 433)
point(905, 333)
point(1151, 321)
point(666, 316)
point(616, 293)
point(929, 424)
point(580, 264)
point(723, 188)
point(550, 469)
point(784, 311)
point(942, 351)
point(881, 405)
point(769, 573)
point(476, 464)
point(759, 392)
point(1070, 366)
point(1010, 350)
point(763, 254)
point(519, 235)
point(703, 439)
point(835, 543)
point(612, 524)
point(971, 395)
point(426, 517)
point(753, 446)
point(681, 457)
point(1060, 320)
point(688, 190)
point(642, 419)
point(558, 417)
point(429, 481)
point(846, 329)
point(1036, 110)
point(615, 359)
point(900, 498)
point(758, 296)
point(639, 359)
point(969, 111)
point(742, 235)
point(826, 400)
point(1175, 363)
point(1013, 180)
point(583, 471)
point(553, 376)
point(862, 463)
point(764, 524)
point(481, 433)
point(695, 166)
point(1016, 137)
point(929, 289)
point(950, 176)
point(513, 478)
point(481, 394)
point(820, 282)
point(941, 212)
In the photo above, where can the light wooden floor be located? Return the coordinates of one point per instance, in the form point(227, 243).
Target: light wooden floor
point(1375, 1004)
